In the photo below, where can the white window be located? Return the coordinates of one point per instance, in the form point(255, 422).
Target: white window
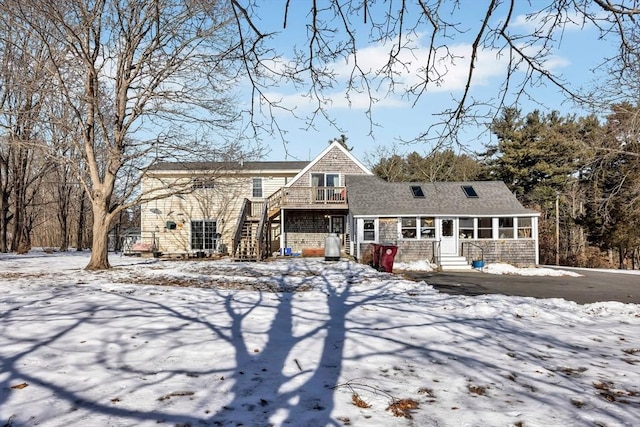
point(466, 228)
point(369, 230)
point(485, 228)
point(505, 228)
point(408, 228)
point(427, 228)
point(257, 187)
point(524, 228)
point(325, 180)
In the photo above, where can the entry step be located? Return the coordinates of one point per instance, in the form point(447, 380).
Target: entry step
point(454, 263)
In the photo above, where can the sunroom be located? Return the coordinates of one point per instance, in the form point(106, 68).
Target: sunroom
point(442, 221)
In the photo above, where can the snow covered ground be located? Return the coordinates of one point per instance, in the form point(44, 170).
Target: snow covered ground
point(299, 342)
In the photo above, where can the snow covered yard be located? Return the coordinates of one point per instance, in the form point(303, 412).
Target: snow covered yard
point(299, 342)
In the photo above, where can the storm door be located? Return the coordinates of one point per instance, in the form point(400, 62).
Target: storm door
point(448, 237)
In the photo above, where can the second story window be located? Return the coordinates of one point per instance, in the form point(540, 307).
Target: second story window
point(323, 184)
point(257, 187)
point(325, 180)
point(199, 183)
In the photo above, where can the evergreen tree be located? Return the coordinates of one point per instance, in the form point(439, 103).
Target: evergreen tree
point(342, 139)
point(536, 156)
point(612, 180)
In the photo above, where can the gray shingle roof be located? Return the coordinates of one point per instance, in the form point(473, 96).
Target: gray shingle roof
point(233, 166)
point(370, 195)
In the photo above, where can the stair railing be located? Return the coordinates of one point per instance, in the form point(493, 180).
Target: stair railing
point(469, 244)
point(436, 252)
point(244, 212)
point(262, 233)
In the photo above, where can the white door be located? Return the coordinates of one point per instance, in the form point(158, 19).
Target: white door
point(448, 237)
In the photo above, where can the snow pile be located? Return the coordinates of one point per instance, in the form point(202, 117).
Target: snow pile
point(502, 268)
point(299, 342)
point(414, 266)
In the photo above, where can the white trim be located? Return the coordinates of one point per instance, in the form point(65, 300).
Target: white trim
point(452, 248)
point(324, 153)
point(283, 239)
point(253, 188)
point(466, 215)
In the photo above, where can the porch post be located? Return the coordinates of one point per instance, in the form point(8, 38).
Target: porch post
point(282, 237)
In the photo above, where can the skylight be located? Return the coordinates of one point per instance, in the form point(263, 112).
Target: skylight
point(417, 192)
point(469, 191)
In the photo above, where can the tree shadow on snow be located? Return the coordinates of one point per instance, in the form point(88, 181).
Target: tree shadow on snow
point(285, 372)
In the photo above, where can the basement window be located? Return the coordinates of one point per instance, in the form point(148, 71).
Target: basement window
point(469, 191)
point(417, 192)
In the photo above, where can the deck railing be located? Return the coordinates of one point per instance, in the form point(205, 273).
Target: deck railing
point(300, 196)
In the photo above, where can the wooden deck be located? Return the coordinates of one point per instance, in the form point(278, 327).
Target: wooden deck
point(309, 198)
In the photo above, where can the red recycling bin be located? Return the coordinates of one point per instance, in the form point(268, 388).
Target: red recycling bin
point(387, 255)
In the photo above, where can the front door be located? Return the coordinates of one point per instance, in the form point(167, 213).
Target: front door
point(336, 226)
point(448, 237)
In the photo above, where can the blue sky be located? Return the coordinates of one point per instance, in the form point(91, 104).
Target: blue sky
point(578, 52)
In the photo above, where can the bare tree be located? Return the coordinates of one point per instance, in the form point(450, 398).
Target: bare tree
point(23, 159)
point(145, 80)
point(420, 39)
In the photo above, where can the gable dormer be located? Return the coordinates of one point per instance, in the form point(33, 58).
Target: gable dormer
point(329, 168)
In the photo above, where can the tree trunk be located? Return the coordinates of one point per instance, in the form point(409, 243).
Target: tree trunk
point(4, 222)
point(100, 246)
point(64, 235)
point(80, 232)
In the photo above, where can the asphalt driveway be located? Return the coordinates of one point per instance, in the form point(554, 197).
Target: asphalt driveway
point(593, 286)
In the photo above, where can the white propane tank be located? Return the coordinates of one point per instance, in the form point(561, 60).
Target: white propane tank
point(332, 248)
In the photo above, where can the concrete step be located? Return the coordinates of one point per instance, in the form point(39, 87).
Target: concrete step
point(454, 263)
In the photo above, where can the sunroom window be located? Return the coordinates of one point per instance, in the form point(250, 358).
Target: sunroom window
point(408, 227)
point(505, 228)
point(485, 228)
point(524, 228)
point(427, 228)
point(466, 228)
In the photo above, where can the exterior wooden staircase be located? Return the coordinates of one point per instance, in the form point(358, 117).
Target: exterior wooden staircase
point(247, 249)
point(250, 240)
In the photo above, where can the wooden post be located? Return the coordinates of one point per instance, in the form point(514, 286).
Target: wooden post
point(557, 228)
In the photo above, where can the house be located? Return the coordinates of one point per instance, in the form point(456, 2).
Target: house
point(194, 206)
point(253, 210)
point(314, 203)
point(449, 223)
point(249, 210)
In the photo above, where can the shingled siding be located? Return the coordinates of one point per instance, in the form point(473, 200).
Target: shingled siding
point(388, 230)
point(305, 229)
point(520, 252)
point(335, 161)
